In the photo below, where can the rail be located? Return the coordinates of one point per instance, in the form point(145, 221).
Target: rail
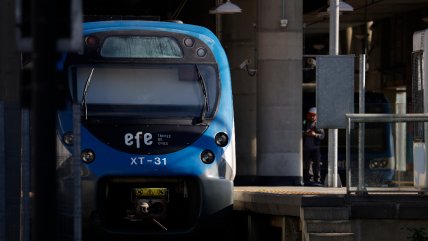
point(371, 118)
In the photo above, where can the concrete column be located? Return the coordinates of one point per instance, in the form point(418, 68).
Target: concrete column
point(239, 33)
point(279, 92)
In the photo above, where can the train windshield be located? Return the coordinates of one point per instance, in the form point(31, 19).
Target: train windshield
point(151, 91)
point(375, 140)
point(140, 47)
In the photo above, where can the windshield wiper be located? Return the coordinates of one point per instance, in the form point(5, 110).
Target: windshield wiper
point(85, 92)
point(205, 107)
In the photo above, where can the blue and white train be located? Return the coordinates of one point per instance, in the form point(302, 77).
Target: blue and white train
point(157, 127)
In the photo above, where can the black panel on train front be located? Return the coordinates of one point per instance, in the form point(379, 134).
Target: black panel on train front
point(147, 139)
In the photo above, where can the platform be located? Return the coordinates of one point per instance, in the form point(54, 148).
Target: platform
point(288, 201)
point(324, 213)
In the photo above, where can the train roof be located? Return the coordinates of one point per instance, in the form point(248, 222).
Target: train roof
point(191, 29)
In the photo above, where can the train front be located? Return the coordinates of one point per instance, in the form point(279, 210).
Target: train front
point(157, 133)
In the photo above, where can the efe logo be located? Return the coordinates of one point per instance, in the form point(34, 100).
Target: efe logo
point(130, 139)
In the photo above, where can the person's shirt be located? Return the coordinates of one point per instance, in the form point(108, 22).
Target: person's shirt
point(312, 140)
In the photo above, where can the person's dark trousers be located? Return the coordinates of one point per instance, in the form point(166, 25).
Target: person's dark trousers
point(311, 165)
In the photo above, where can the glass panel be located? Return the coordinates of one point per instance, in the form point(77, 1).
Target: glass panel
point(167, 90)
point(140, 47)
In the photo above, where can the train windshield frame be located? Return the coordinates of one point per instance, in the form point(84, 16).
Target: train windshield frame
point(146, 91)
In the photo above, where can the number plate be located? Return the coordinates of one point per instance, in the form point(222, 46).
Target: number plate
point(150, 192)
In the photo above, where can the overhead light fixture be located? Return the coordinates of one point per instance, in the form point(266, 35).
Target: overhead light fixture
point(343, 7)
point(226, 8)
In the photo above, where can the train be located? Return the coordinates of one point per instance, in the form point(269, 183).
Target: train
point(156, 138)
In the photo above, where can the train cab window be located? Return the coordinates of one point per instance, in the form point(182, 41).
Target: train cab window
point(140, 47)
point(150, 91)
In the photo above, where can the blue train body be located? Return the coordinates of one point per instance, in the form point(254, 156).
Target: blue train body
point(151, 164)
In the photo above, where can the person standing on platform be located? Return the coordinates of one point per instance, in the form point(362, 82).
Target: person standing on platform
point(312, 137)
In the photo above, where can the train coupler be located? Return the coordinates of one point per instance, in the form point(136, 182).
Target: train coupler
point(148, 204)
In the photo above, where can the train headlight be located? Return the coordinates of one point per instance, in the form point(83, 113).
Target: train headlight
point(189, 42)
point(221, 139)
point(207, 157)
point(378, 163)
point(374, 164)
point(87, 156)
point(91, 42)
point(68, 138)
point(201, 52)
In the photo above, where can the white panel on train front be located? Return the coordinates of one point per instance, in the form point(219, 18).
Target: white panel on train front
point(420, 41)
point(420, 165)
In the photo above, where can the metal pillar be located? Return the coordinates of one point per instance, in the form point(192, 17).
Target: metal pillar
point(76, 172)
point(332, 133)
point(25, 177)
point(253, 227)
point(218, 23)
point(361, 131)
point(43, 119)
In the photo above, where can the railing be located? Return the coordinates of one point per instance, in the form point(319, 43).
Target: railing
point(371, 118)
